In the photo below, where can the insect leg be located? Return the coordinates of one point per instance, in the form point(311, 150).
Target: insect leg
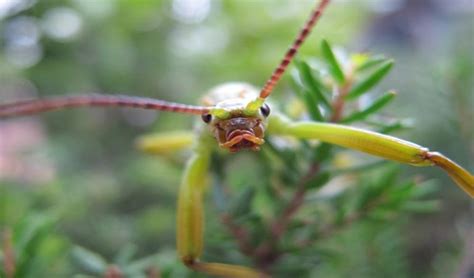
point(165, 142)
point(377, 144)
point(190, 219)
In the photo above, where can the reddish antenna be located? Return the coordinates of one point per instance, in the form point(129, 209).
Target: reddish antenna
point(27, 107)
point(290, 54)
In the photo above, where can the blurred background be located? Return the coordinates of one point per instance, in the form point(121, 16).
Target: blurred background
point(79, 172)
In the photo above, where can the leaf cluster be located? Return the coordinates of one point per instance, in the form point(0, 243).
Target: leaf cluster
point(310, 193)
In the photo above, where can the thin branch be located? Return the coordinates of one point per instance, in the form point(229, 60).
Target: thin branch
point(240, 234)
point(266, 254)
point(153, 272)
point(339, 102)
point(333, 228)
point(279, 226)
point(8, 254)
point(113, 271)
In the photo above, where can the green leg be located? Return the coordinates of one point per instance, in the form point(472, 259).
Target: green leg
point(165, 142)
point(191, 218)
point(373, 143)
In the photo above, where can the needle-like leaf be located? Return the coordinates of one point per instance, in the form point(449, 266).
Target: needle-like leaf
point(243, 203)
point(334, 67)
point(370, 63)
point(90, 261)
point(311, 83)
point(422, 206)
point(311, 104)
point(378, 104)
point(370, 81)
point(318, 181)
point(310, 100)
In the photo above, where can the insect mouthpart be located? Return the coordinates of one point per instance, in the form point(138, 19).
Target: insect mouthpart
point(240, 133)
point(242, 139)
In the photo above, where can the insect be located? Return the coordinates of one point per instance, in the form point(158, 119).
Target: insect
point(237, 117)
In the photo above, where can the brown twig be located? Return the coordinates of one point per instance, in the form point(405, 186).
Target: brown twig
point(266, 254)
point(333, 228)
point(8, 254)
point(279, 226)
point(339, 102)
point(240, 234)
point(153, 272)
point(113, 271)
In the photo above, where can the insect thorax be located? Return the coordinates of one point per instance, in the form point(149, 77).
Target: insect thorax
point(230, 95)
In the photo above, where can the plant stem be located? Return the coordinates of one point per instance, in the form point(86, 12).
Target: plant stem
point(240, 234)
point(8, 255)
point(113, 271)
point(267, 253)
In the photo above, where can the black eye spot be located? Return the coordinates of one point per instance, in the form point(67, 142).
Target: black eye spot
point(265, 109)
point(206, 118)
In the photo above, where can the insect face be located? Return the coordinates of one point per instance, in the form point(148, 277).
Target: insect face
point(239, 133)
point(232, 125)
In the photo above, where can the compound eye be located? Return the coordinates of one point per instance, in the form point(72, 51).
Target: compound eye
point(265, 109)
point(206, 118)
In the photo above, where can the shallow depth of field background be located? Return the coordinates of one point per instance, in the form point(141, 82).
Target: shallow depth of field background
point(82, 166)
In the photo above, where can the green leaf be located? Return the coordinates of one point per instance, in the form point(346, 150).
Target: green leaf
point(380, 186)
point(141, 265)
point(90, 261)
point(125, 254)
point(311, 83)
point(311, 105)
point(422, 206)
point(323, 152)
point(359, 168)
point(310, 101)
point(29, 228)
point(334, 67)
point(29, 236)
point(371, 62)
point(243, 203)
point(391, 126)
point(372, 108)
point(425, 188)
point(318, 181)
point(370, 81)
point(399, 194)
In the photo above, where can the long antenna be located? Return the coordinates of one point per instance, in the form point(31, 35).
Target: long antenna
point(276, 75)
point(27, 107)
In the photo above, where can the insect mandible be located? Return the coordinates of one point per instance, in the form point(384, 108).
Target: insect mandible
point(237, 117)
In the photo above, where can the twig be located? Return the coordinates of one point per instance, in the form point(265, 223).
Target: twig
point(8, 254)
point(240, 234)
point(113, 271)
point(266, 253)
point(348, 221)
point(281, 223)
point(338, 104)
point(153, 272)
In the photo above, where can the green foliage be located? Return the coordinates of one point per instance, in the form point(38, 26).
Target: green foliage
point(314, 202)
point(373, 107)
point(108, 207)
point(333, 65)
point(367, 83)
